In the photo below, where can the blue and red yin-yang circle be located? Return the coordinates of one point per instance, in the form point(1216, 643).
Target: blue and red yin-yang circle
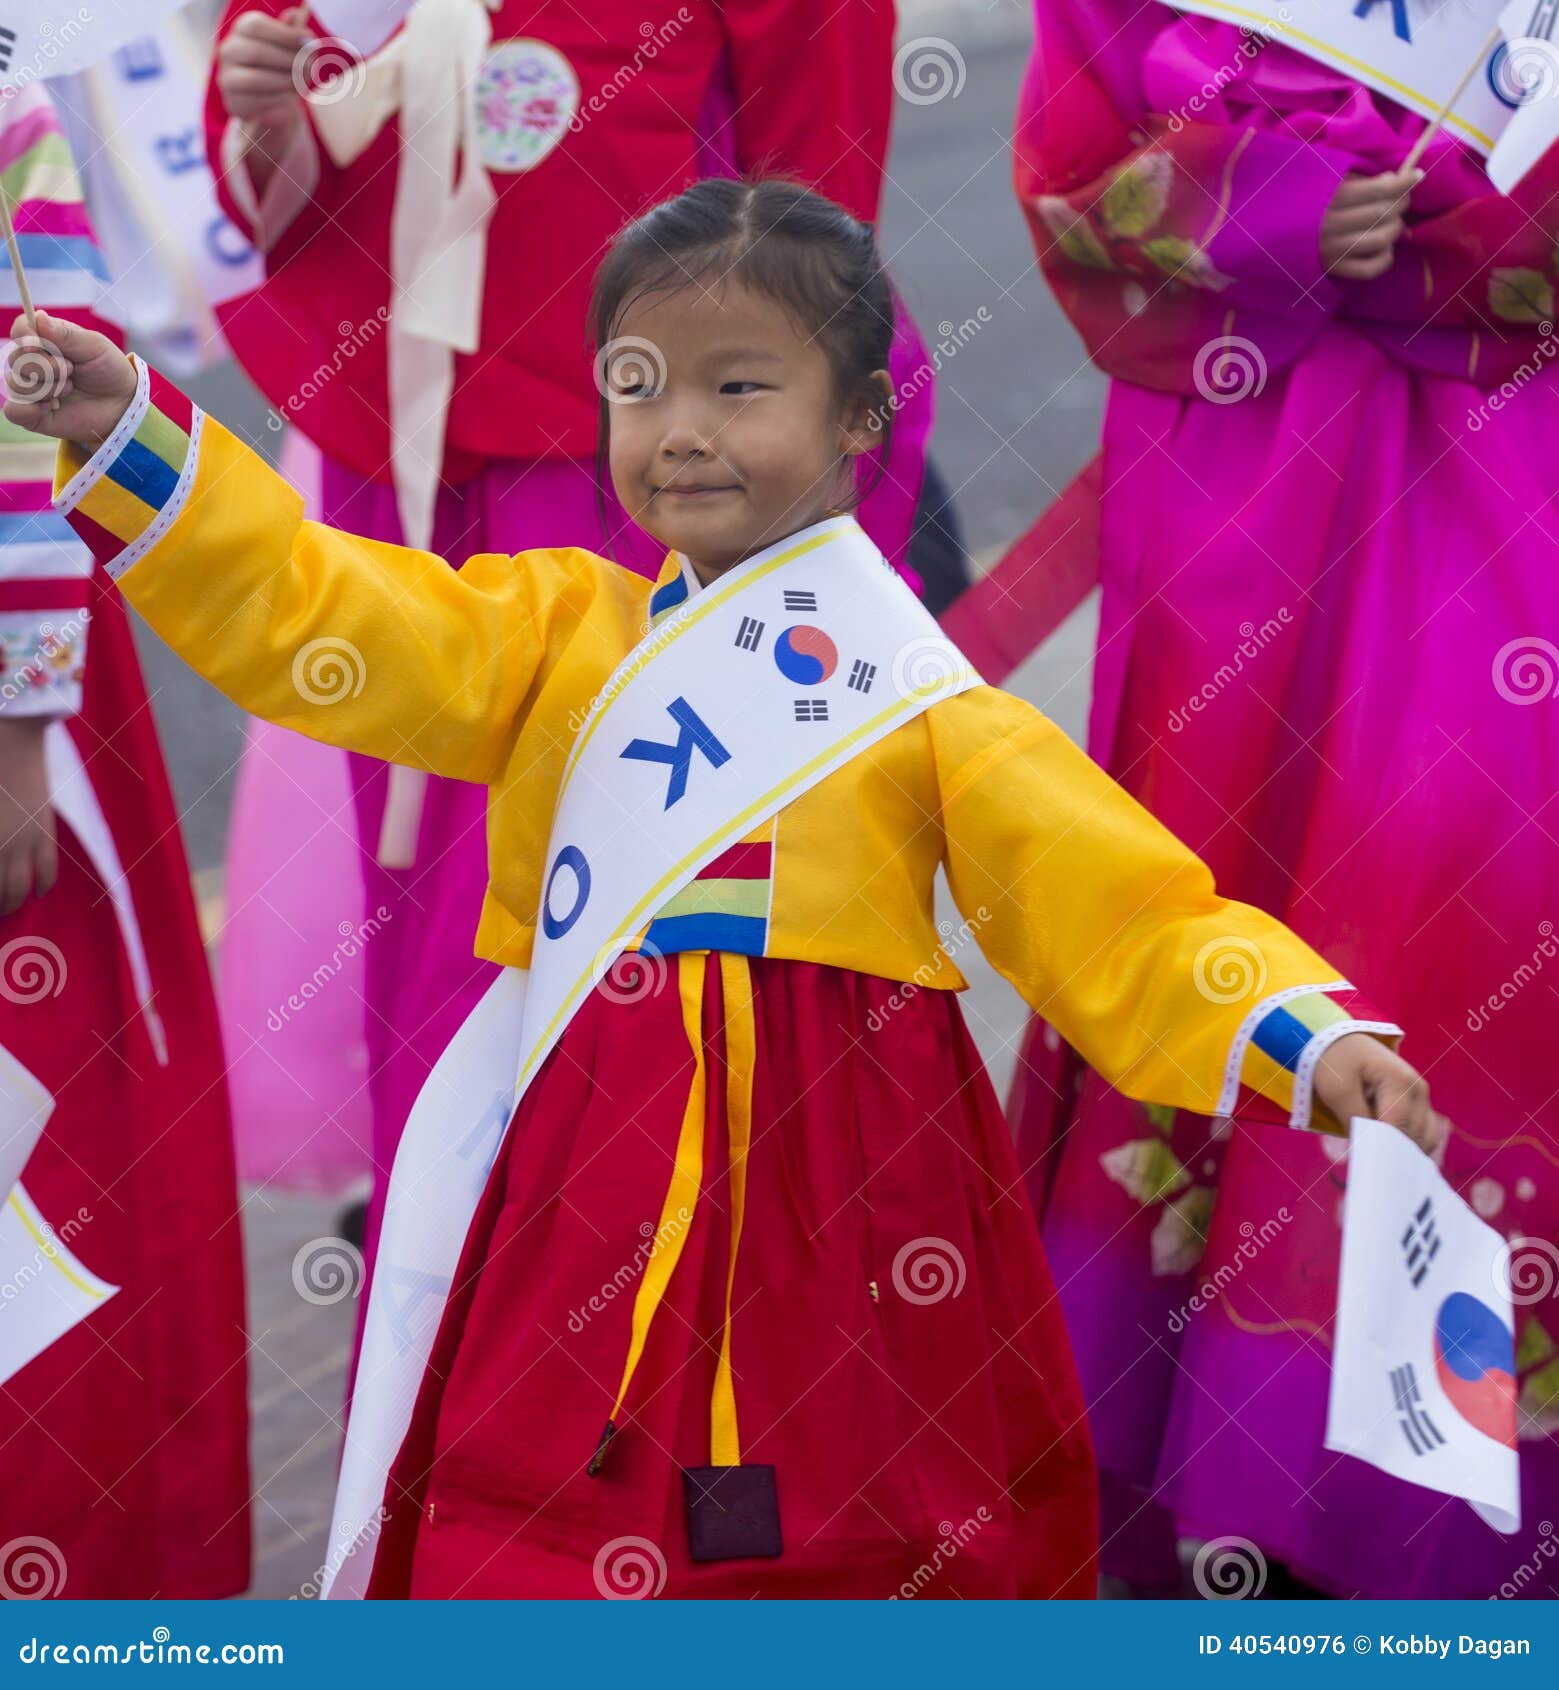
point(805, 654)
point(1475, 1359)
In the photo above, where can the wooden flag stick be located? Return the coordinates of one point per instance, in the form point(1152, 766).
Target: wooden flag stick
point(1437, 122)
point(16, 261)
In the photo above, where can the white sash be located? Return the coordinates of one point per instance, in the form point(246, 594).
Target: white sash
point(743, 698)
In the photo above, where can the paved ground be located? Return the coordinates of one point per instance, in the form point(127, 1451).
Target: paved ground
point(1018, 415)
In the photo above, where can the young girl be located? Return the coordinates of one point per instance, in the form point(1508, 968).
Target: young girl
point(1329, 545)
point(484, 448)
point(752, 1301)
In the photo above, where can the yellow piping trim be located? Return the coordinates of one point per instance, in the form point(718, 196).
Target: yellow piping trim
point(51, 1251)
point(741, 1055)
point(686, 1176)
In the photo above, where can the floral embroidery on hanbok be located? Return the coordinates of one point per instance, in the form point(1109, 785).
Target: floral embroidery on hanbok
point(526, 96)
point(1130, 227)
point(42, 663)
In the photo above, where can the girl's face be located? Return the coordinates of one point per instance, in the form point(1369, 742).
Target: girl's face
point(724, 431)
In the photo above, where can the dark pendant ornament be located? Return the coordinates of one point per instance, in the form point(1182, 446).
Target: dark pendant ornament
point(732, 1512)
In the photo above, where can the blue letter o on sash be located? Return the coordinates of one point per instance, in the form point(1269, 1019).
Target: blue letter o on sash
point(551, 925)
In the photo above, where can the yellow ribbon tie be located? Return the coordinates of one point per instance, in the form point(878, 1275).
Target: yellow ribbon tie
point(683, 1190)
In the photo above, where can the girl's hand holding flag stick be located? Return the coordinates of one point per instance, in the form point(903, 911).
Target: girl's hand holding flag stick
point(66, 381)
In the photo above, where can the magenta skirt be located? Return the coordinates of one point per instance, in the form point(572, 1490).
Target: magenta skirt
point(1327, 661)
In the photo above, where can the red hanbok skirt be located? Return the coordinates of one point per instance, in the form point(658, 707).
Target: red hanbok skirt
point(897, 1347)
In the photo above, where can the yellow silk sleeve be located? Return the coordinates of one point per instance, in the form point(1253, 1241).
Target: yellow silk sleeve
point(373, 647)
point(1100, 917)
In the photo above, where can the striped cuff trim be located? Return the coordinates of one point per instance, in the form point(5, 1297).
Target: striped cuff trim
point(1234, 1067)
point(134, 487)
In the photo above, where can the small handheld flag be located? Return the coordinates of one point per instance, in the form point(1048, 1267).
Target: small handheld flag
point(1423, 1367)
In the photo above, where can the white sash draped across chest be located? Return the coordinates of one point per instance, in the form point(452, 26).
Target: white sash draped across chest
point(746, 695)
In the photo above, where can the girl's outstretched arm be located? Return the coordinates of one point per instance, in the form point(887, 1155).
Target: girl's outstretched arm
point(1114, 931)
point(373, 647)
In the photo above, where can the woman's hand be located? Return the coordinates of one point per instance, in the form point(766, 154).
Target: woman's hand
point(29, 860)
point(67, 382)
point(258, 75)
point(1362, 224)
point(1358, 1075)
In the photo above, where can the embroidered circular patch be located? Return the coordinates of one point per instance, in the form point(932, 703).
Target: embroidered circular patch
point(526, 95)
point(805, 655)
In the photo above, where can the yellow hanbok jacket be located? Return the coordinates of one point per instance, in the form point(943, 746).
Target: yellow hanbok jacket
point(1099, 917)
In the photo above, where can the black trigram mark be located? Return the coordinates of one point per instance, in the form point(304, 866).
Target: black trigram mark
point(811, 709)
point(748, 635)
point(862, 674)
point(1420, 1431)
point(1420, 1243)
point(800, 601)
point(7, 44)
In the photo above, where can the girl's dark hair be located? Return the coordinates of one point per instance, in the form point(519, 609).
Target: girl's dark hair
point(782, 240)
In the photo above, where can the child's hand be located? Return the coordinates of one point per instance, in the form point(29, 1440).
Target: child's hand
point(257, 74)
point(66, 381)
point(1358, 1075)
point(1360, 230)
point(29, 859)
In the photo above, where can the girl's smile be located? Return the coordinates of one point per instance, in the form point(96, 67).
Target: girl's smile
point(734, 437)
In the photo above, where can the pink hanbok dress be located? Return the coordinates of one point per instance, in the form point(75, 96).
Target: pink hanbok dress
point(1329, 548)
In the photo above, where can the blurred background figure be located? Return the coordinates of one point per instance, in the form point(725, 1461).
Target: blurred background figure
point(124, 1442)
point(1330, 565)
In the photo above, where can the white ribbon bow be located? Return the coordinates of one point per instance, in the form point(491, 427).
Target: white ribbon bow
point(438, 266)
point(438, 232)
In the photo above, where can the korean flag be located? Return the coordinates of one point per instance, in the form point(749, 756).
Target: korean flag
point(1424, 1367)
